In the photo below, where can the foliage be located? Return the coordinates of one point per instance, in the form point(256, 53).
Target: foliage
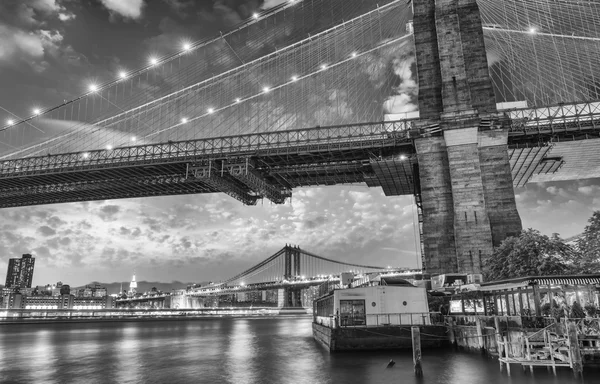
point(591, 309)
point(576, 311)
point(437, 302)
point(529, 254)
point(588, 246)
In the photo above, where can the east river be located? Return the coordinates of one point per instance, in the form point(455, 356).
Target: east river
point(254, 350)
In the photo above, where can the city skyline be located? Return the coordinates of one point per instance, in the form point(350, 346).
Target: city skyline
point(193, 238)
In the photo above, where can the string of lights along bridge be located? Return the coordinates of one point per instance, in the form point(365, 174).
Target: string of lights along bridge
point(326, 92)
point(290, 268)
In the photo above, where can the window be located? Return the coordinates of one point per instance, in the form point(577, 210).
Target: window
point(352, 312)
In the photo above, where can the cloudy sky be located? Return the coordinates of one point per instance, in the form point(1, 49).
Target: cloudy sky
point(52, 49)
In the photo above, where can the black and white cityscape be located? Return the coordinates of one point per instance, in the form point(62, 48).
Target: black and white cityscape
point(299, 191)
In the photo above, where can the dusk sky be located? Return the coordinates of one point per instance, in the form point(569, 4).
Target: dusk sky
point(50, 50)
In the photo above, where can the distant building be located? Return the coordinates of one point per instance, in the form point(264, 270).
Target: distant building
point(89, 291)
point(133, 286)
point(20, 272)
point(19, 301)
point(99, 292)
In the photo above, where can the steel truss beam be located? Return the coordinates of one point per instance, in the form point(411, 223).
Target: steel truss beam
point(279, 161)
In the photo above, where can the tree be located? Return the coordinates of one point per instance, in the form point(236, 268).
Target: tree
point(588, 247)
point(529, 254)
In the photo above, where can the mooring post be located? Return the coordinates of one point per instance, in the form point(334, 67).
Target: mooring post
point(451, 331)
point(416, 346)
point(498, 340)
point(480, 334)
point(506, 354)
point(574, 351)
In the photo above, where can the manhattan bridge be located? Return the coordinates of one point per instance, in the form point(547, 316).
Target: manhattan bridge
point(453, 101)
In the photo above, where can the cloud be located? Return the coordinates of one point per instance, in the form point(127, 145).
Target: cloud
point(20, 45)
point(109, 212)
point(46, 231)
point(127, 9)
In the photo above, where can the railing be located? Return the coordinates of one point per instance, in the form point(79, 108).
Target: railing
point(362, 135)
point(524, 322)
point(381, 320)
point(585, 327)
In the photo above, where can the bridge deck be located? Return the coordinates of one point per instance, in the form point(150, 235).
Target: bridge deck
point(252, 166)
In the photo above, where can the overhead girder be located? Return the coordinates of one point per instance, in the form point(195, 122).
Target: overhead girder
point(219, 180)
point(248, 175)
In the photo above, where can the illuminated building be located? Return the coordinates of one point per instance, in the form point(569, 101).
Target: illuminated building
point(133, 286)
point(20, 272)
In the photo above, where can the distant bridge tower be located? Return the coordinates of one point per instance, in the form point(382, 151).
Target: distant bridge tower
point(464, 173)
point(133, 286)
point(292, 297)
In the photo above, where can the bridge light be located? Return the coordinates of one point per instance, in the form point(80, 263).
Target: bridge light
point(255, 15)
point(153, 61)
point(238, 100)
point(10, 121)
point(187, 46)
point(85, 155)
point(354, 54)
point(294, 78)
point(36, 111)
point(122, 75)
point(266, 89)
point(303, 277)
point(93, 87)
point(210, 110)
point(323, 67)
point(402, 157)
point(133, 138)
point(532, 30)
point(184, 120)
point(109, 147)
point(242, 284)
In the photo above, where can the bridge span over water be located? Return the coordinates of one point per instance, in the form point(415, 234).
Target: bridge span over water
point(325, 92)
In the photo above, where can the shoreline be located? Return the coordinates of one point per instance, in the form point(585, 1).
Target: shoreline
point(128, 319)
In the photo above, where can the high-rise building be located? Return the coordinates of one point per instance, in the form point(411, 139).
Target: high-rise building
point(133, 286)
point(20, 272)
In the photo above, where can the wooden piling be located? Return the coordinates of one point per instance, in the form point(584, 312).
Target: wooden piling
point(498, 340)
point(480, 335)
point(451, 332)
point(574, 351)
point(416, 346)
point(505, 343)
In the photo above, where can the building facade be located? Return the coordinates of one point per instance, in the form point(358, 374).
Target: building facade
point(20, 272)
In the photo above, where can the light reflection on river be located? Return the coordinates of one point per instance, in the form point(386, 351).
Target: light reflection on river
point(254, 350)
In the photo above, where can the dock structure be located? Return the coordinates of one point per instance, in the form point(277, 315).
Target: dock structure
point(568, 343)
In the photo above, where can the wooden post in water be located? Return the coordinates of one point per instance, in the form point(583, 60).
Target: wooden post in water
point(506, 354)
point(574, 351)
point(416, 345)
point(480, 334)
point(498, 340)
point(451, 331)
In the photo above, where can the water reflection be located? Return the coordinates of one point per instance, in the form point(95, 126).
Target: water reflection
point(236, 351)
point(241, 352)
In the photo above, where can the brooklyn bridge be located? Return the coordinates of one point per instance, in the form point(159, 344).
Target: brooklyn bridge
point(453, 101)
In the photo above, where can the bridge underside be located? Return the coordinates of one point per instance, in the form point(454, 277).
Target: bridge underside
point(244, 176)
point(251, 167)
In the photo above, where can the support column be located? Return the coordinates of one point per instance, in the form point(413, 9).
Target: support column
point(287, 265)
point(465, 179)
point(498, 185)
point(439, 251)
point(296, 255)
point(472, 231)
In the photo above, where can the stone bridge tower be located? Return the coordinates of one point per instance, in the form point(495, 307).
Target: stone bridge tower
point(464, 172)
